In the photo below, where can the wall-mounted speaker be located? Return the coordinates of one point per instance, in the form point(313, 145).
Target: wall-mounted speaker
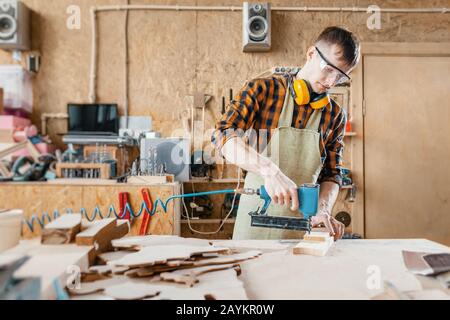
point(256, 27)
point(14, 25)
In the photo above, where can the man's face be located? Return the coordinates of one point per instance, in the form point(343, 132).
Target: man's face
point(322, 75)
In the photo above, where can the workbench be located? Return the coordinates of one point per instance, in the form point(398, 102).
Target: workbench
point(342, 274)
point(349, 271)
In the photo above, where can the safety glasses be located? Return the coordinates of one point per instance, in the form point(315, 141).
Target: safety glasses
point(331, 70)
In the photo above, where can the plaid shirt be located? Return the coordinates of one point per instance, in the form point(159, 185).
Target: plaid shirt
point(258, 106)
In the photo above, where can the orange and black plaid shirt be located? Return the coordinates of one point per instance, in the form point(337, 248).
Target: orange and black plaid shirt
point(258, 106)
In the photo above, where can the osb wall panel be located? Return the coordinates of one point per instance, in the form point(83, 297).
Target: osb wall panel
point(38, 198)
point(172, 54)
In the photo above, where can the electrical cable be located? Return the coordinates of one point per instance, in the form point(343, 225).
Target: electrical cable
point(226, 217)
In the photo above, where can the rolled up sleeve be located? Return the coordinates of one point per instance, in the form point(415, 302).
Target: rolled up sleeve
point(332, 170)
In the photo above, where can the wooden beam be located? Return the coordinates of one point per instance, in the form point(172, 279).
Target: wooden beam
point(96, 233)
point(62, 230)
point(100, 234)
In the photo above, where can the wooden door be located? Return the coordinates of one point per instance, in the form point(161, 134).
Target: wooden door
point(407, 147)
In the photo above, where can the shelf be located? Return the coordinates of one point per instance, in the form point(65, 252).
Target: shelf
point(203, 221)
point(218, 181)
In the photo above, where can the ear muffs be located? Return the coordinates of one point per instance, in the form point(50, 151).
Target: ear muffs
point(305, 95)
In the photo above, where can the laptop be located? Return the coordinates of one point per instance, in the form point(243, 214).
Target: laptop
point(93, 119)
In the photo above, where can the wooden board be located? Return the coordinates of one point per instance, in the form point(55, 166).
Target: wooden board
point(62, 230)
point(315, 243)
point(203, 261)
point(52, 263)
point(221, 259)
point(160, 254)
point(97, 233)
point(190, 276)
point(406, 139)
point(105, 257)
point(138, 242)
point(218, 285)
point(100, 234)
point(313, 248)
point(150, 179)
point(319, 236)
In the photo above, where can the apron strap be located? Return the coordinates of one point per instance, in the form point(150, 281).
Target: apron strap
point(287, 112)
point(314, 120)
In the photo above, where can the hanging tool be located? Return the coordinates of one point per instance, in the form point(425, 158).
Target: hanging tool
point(146, 218)
point(223, 106)
point(124, 200)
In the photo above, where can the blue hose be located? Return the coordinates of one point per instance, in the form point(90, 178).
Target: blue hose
point(112, 210)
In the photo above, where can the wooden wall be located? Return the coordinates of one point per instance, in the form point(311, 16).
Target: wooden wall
point(174, 53)
point(36, 198)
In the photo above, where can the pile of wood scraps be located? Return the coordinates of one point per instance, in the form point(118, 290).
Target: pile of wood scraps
point(165, 267)
point(98, 234)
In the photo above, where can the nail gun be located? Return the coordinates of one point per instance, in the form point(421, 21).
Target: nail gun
point(308, 196)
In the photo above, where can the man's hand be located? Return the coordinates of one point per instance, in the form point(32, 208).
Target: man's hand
point(281, 189)
point(335, 227)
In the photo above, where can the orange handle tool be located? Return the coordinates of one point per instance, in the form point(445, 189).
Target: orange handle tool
point(146, 218)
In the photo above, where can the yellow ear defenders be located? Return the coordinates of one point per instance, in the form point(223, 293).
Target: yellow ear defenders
point(303, 94)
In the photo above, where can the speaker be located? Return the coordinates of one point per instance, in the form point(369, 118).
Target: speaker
point(14, 25)
point(173, 154)
point(256, 27)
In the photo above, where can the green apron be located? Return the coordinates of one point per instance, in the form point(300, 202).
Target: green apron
point(297, 154)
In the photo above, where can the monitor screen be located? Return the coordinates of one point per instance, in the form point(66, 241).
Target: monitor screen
point(93, 118)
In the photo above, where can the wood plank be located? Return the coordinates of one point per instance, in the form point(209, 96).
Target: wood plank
point(138, 242)
point(62, 230)
point(219, 285)
point(81, 181)
point(160, 254)
point(313, 248)
point(320, 236)
point(315, 243)
point(96, 233)
point(100, 234)
point(190, 276)
point(50, 263)
point(150, 179)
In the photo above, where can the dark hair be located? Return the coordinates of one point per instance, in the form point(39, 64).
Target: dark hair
point(345, 39)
